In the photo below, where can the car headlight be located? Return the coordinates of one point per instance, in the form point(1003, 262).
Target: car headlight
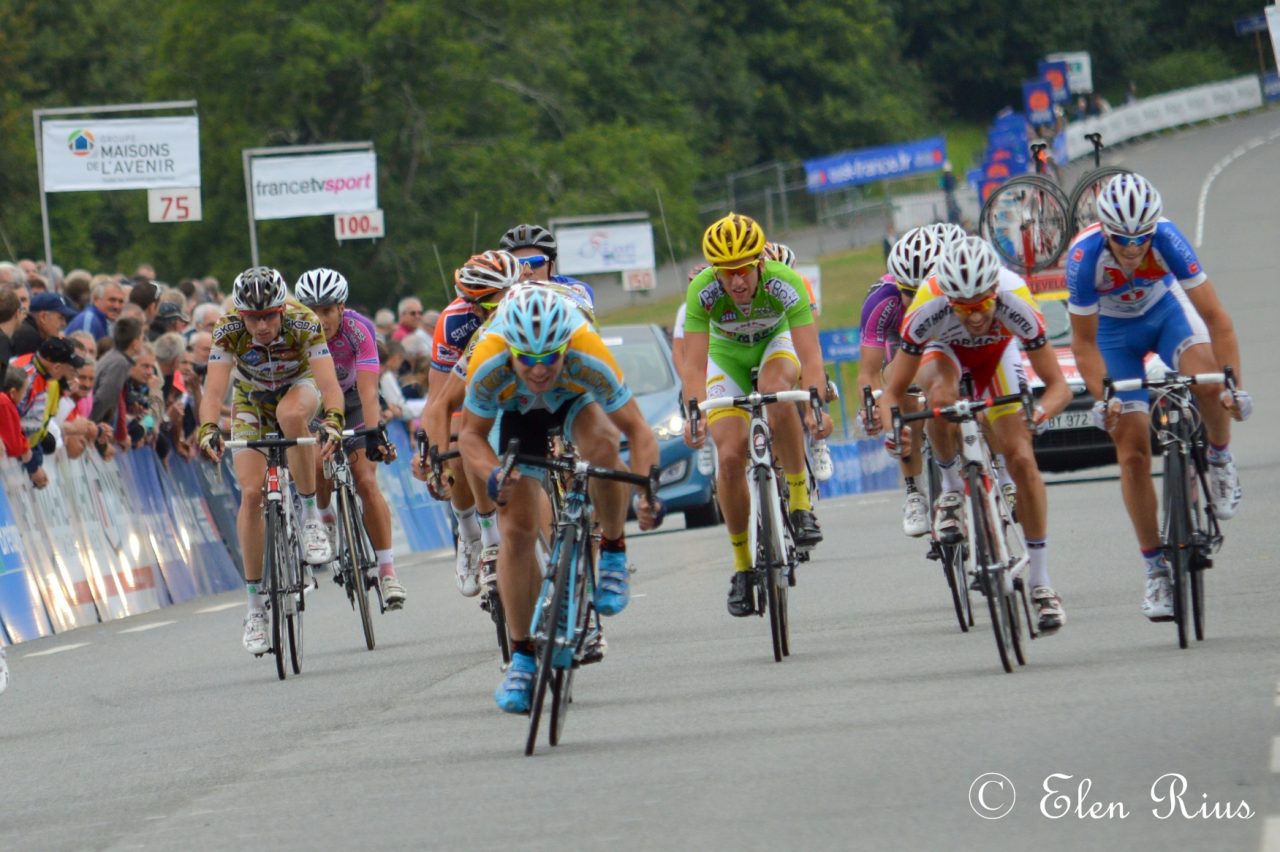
point(674, 473)
point(670, 427)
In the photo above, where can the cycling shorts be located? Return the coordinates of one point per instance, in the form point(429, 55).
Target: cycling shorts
point(991, 378)
point(535, 428)
point(253, 411)
point(1168, 329)
point(729, 367)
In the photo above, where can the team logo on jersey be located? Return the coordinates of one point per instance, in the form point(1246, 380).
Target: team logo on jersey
point(729, 316)
point(783, 292)
point(443, 352)
point(710, 295)
point(1078, 254)
point(252, 358)
point(1193, 268)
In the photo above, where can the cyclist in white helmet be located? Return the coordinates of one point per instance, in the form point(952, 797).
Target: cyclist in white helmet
point(971, 317)
point(1136, 287)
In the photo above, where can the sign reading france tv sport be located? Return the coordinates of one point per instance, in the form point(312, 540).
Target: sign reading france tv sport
point(867, 165)
point(85, 155)
point(314, 184)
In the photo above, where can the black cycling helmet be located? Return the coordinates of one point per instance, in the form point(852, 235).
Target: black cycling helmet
point(530, 236)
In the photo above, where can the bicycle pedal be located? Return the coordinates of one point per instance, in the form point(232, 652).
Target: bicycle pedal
point(485, 605)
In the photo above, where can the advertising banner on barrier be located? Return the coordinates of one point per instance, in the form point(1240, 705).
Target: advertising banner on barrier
point(867, 165)
point(427, 522)
point(1055, 74)
point(139, 474)
point(1037, 97)
point(314, 184)
point(120, 153)
point(605, 247)
point(21, 610)
point(860, 466)
point(212, 565)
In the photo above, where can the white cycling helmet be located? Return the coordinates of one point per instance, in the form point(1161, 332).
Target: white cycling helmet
point(259, 288)
point(537, 319)
point(781, 253)
point(1129, 205)
point(968, 268)
point(945, 232)
point(320, 287)
point(912, 258)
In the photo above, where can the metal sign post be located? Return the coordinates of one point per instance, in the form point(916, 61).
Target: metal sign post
point(38, 117)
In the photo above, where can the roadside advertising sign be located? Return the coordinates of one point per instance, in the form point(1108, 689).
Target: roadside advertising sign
point(314, 184)
point(95, 154)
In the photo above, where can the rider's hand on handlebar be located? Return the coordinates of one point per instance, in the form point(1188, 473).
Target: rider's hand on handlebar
point(209, 439)
point(650, 515)
point(1104, 415)
point(1238, 402)
point(691, 441)
point(899, 447)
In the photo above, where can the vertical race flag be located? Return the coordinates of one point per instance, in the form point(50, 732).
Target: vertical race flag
point(1056, 74)
point(1037, 96)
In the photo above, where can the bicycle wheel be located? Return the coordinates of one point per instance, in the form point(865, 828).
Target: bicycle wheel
point(562, 683)
point(1027, 221)
point(769, 562)
point(950, 555)
point(499, 616)
point(1084, 196)
point(1014, 611)
point(1177, 536)
point(271, 576)
point(353, 563)
point(294, 577)
point(1200, 556)
point(992, 573)
point(550, 611)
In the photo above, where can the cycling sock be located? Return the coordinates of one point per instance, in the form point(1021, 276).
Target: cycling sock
point(911, 485)
point(488, 528)
point(523, 646)
point(468, 526)
point(386, 563)
point(309, 507)
point(1154, 563)
point(613, 545)
point(951, 474)
point(257, 595)
point(741, 551)
point(1218, 455)
point(1038, 556)
point(798, 486)
point(1005, 478)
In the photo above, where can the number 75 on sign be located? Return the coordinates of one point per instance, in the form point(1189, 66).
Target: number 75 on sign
point(174, 205)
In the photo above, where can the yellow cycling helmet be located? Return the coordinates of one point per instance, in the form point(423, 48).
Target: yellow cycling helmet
point(733, 239)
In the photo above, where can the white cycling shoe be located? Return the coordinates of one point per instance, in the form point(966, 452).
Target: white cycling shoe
point(823, 467)
point(948, 518)
point(315, 543)
point(255, 633)
point(466, 568)
point(915, 514)
point(1224, 482)
point(1157, 604)
point(393, 593)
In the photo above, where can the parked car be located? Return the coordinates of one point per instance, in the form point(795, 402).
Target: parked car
point(686, 477)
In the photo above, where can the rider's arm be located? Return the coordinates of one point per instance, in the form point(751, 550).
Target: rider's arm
point(215, 389)
point(367, 388)
point(643, 446)
point(444, 396)
point(1222, 331)
point(808, 350)
point(1057, 393)
point(902, 369)
point(473, 442)
point(1084, 346)
point(870, 363)
point(696, 344)
point(327, 381)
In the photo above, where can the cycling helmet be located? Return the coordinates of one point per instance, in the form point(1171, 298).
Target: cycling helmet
point(945, 232)
point(733, 239)
point(968, 268)
point(1129, 205)
point(259, 288)
point(320, 287)
point(486, 274)
point(781, 253)
point(530, 236)
point(912, 258)
point(536, 319)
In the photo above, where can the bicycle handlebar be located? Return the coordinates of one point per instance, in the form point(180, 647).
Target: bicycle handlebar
point(1171, 379)
point(964, 409)
point(269, 443)
point(513, 456)
point(755, 398)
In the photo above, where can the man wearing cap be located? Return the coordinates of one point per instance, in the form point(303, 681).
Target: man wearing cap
point(49, 315)
point(99, 318)
point(48, 368)
point(169, 317)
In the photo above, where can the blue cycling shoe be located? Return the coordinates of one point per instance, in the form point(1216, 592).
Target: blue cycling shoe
point(613, 588)
point(515, 693)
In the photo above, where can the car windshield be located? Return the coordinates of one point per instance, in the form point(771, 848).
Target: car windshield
point(1057, 320)
point(644, 364)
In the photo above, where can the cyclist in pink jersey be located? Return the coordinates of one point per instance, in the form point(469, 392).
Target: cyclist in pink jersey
point(353, 343)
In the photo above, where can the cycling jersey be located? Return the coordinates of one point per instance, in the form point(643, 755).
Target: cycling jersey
point(579, 291)
point(458, 323)
point(585, 311)
point(882, 317)
point(38, 407)
point(354, 349)
point(1097, 283)
point(278, 364)
point(780, 303)
point(588, 371)
point(677, 327)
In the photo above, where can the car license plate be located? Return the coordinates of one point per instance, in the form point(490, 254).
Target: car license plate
point(1070, 420)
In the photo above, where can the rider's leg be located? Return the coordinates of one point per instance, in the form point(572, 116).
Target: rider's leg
point(294, 412)
point(939, 376)
point(780, 372)
point(1224, 482)
point(518, 583)
point(597, 439)
point(251, 469)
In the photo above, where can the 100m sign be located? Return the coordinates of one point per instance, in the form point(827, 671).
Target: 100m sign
point(359, 226)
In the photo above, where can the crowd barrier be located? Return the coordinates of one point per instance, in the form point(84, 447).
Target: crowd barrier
point(860, 466)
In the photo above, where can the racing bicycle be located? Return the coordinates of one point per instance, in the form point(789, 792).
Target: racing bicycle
point(1189, 531)
point(355, 561)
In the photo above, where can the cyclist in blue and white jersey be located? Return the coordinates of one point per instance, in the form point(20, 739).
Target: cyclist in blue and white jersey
point(1136, 287)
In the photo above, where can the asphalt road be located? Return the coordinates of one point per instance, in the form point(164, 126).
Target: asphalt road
point(689, 736)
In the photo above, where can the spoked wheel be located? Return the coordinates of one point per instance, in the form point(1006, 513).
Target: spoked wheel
point(354, 549)
point(561, 698)
point(1177, 529)
point(770, 565)
point(1084, 197)
point(562, 682)
point(272, 576)
point(953, 570)
point(548, 621)
point(1016, 603)
point(293, 621)
point(1197, 601)
point(998, 605)
point(1026, 219)
point(992, 578)
point(493, 603)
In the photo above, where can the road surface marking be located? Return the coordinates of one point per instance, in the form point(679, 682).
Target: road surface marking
point(57, 650)
point(1217, 169)
point(219, 607)
point(142, 628)
point(1275, 754)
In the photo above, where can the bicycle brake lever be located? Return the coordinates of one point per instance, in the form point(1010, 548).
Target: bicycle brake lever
point(1028, 403)
point(695, 418)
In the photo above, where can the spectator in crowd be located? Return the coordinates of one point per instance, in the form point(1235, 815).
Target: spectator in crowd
point(169, 318)
point(48, 368)
point(384, 322)
point(144, 401)
point(11, 275)
point(174, 364)
point(146, 295)
point(204, 318)
point(391, 356)
point(948, 184)
point(28, 267)
point(49, 315)
point(11, 314)
point(84, 344)
point(37, 283)
point(429, 320)
point(100, 317)
point(13, 387)
point(200, 346)
point(113, 372)
point(77, 287)
point(144, 272)
point(24, 298)
point(77, 431)
point(409, 312)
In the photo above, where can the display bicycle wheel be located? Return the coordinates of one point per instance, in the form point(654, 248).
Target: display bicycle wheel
point(1027, 220)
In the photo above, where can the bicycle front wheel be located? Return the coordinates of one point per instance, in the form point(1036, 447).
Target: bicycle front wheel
point(1026, 219)
point(562, 683)
point(272, 576)
point(987, 564)
point(1177, 537)
point(550, 613)
point(768, 554)
point(353, 563)
point(1084, 196)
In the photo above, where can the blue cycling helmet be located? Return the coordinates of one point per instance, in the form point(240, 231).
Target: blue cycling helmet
point(536, 319)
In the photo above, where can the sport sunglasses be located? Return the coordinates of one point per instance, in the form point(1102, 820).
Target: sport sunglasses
point(965, 309)
point(534, 261)
point(737, 269)
point(1128, 241)
point(547, 358)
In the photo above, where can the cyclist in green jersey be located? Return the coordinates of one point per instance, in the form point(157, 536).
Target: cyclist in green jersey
point(744, 312)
